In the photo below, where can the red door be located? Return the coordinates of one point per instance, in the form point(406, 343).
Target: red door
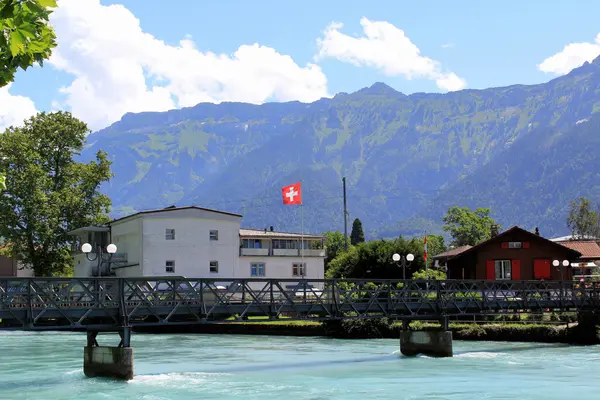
point(541, 269)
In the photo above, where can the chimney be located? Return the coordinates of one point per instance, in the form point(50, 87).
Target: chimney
point(271, 228)
point(537, 231)
point(494, 230)
point(265, 230)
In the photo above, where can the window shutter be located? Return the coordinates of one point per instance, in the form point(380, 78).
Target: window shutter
point(516, 270)
point(505, 245)
point(525, 245)
point(490, 270)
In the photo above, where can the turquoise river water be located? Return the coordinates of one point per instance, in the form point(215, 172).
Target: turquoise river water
point(49, 366)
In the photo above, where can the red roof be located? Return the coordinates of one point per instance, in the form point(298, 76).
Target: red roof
point(589, 249)
point(452, 252)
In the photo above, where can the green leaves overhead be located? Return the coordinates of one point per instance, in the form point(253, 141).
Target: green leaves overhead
point(26, 36)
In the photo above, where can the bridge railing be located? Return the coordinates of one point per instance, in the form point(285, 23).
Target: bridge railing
point(79, 300)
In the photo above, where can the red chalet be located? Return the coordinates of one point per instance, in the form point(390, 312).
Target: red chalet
point(515, 254)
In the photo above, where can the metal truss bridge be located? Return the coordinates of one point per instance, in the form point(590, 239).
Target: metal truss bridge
point(114, 303)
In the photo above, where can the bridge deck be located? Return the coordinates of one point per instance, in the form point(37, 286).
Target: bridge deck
point(104, 303)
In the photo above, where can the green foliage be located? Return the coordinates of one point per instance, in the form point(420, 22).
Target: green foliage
point(48, 192)
point(26, 36)
point(335, 243)
point(374, 260)
point(582, 220)
point(435, 245)
point(431, 273)
point(357, 235)
point(468, 227)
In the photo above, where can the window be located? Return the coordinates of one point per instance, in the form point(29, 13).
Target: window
point(298, 269)
point(214, 234)
point(503, 269)
point(214, 267)
point(170, 267)
point(170, 234)
point(251, 244)
point(257, 269)
point(515, 245)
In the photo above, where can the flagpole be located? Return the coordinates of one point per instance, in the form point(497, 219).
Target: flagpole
point(302, 232)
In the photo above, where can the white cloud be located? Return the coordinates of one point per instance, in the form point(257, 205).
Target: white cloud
point(386, 48)
point(447, 45)
point(113, 60)
point(573, 55)
point(14, 109)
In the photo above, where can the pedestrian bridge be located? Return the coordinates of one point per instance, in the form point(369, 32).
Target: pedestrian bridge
point(118, 304)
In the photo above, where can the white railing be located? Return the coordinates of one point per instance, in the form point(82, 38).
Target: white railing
point(286, 252)
point(254, 252)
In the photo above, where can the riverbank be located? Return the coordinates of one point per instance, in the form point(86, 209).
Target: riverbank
point(382, 329)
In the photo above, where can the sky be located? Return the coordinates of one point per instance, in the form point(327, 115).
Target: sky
point(115, 57)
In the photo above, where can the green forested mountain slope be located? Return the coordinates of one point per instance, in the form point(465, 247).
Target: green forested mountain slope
point(406, 158)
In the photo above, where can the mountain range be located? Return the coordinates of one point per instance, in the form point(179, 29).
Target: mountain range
point(525, 151)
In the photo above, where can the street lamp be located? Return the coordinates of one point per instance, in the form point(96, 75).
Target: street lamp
point(111, 249)
point(565, 264)
point(404, 262)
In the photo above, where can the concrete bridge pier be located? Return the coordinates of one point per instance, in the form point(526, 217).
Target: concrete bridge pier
point(435, 343)
point(107, 361)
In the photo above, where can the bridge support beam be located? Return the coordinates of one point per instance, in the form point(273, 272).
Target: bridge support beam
point(107, 361)
point(435, 343)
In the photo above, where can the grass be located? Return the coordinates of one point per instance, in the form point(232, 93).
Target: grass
point(281, 321)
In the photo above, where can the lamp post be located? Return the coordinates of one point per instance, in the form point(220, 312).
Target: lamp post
point(565, 264)
point(111, 249)
point(404, 262)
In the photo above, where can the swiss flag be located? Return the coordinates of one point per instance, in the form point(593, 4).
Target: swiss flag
point(425, 249)
point(292, 194)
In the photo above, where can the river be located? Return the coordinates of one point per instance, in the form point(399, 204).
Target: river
point(49, 366)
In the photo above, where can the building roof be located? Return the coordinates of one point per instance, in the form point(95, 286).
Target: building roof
point(575, 253)
point(589, 249)
point(452, 252)
point(571, 237)
point(173, 208)
point(262, 233)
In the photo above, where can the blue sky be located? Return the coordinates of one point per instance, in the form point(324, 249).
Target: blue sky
point(489, 43)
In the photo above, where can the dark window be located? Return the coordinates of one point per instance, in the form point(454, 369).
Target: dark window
point(502, 269)
point(170, 267)
point(170, 234)
point(257, 269)
point(298, 269)
point(214, 267)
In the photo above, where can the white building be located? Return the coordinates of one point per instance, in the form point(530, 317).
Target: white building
point(196, 242)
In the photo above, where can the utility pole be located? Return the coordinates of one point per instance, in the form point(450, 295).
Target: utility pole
point(345, 216)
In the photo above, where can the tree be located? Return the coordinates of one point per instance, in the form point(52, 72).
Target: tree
point(48, 193)
point(435, 245)
point(374, 259)
point(26, 36)
point(334, 242)
point(582, 220)
point(468, 227)
point(357, 235)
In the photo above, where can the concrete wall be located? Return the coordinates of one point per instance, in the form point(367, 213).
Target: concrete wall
point(192, 250)
point(281, 267)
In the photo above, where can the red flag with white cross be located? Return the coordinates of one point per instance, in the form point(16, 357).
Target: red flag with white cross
point(425, 249)
point(292, 194)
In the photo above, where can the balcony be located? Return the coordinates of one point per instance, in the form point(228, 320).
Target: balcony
point(253, 252)
point(298, 253)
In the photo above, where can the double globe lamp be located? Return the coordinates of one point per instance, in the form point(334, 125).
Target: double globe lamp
point(406, 260)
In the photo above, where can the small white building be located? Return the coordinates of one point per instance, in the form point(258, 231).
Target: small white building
point(195, 242)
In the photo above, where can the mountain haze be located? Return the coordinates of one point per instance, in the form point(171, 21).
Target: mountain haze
point(524, 151)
